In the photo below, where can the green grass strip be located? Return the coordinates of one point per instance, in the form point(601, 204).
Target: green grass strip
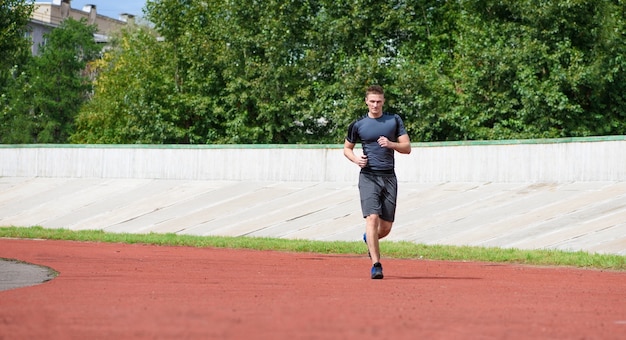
point(400, 250)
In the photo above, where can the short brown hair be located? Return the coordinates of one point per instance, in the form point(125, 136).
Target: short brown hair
point(377, 89)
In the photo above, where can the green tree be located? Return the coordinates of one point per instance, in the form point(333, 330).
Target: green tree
point(14, 55)
point(14, 46)
point(267, 42)
point(131, 92)
point(530, 69)
point(251, 71)
point(54, 85)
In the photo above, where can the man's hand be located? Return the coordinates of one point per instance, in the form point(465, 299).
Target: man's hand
point(403, 145)
point(362, 161)
point(384, 142)
point(348, 151)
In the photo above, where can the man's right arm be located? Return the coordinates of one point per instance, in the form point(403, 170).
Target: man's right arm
point(348, 151)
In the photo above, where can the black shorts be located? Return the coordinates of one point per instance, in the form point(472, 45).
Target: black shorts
point(379, 194)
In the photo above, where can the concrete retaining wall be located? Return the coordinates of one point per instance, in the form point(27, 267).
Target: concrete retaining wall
point(554, 160)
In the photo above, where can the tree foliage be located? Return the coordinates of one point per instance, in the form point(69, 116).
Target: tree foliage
point(14, 55)
point(44, 99)
point(14, 46)
point(131, 96)
point(271, 71)
point(534, 68)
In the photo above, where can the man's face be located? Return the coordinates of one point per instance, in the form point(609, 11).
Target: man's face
point(375, 103)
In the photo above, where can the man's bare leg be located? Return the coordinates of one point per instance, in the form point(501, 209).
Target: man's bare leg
point(375, 229)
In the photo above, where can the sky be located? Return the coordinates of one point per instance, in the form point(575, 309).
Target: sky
point(112, 8)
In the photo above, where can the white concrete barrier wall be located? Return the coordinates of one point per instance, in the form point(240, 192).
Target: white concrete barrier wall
point(557, 160)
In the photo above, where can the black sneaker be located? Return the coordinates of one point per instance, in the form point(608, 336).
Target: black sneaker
point(377, 271)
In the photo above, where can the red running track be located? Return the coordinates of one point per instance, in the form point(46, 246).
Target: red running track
point(120, 291)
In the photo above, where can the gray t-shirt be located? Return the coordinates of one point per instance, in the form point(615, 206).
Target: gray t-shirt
point(368, 130)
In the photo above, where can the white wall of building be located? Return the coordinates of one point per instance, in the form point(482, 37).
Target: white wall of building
point(567, 160)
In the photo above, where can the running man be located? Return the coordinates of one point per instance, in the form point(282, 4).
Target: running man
point(380, 134)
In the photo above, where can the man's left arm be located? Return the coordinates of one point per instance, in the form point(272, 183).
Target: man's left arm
point(403, 145)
